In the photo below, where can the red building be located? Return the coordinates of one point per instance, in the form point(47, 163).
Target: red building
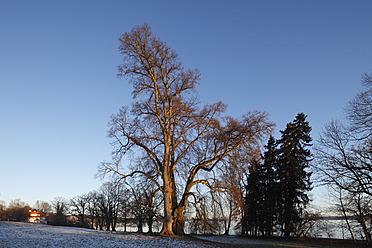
point(36, 217)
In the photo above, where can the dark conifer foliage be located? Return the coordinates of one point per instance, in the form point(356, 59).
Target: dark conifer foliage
point(271, 191)
point(262, 195)
point(293, 177)
point(254, 200)
point(277, 186)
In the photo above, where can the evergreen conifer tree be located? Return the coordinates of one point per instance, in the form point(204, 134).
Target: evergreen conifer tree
point(254, 199)
point(270, 187)
point(293, 177)
point(262, 193)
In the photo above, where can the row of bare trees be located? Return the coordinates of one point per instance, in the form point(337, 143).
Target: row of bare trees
point(102, 209)
point(115, 203)
point(17, 210)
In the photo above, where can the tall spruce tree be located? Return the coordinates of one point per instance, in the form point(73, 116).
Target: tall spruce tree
point(293, 177)
point(261, 200)
point(270, 188)
point(254, 199)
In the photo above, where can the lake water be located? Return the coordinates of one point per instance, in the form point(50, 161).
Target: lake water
point(326, 228)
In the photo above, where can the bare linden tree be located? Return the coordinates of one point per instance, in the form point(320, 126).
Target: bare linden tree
point(344, 159)
point(175, 144)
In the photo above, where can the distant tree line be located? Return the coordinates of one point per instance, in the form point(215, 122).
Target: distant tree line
point(17, 210)
point(111, 204)
point(100, 209)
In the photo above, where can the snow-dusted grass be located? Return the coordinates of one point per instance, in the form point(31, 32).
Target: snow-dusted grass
point(259, 242)
point(16, 234)
point(237, 241)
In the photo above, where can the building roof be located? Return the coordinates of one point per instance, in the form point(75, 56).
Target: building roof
point(32, 213)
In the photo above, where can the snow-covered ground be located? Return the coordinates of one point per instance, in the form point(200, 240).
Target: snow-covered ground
point(16, 234)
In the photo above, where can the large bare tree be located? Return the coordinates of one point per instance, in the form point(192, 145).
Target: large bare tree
point(175, 143)
point(344, 157)
point(344, 152)
point(79, 207)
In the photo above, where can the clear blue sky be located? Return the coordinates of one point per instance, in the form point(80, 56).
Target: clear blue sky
point(58, 65)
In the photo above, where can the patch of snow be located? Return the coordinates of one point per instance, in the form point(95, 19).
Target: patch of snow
point(16, 234)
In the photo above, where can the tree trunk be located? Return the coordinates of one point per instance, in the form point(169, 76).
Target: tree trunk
point(92, 221)
point(140, 225)
point(113, 225)
point(167, 192)
point(287, 215)
point(179, 220)
point(345, 216)
point(150, 227)
point(362, 221)
point(243, 220)
point(227, 228)
point(108, 222)
point(150, 220)
point(101, 223)
point(125, 223)
point(365, 230)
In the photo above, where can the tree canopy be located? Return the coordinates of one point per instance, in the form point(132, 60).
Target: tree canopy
point(175, 142)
